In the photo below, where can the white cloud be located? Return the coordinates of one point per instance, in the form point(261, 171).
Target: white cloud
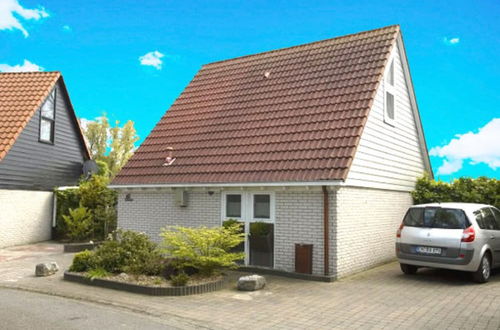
point(11, 12)
point(480, 147)
point(27, 66)
point(152, 59)
point(451, 41)
point(67, 28)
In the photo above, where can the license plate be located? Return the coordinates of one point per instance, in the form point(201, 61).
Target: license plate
point(428, 250)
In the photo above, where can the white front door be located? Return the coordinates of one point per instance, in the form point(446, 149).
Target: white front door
point(256, 211)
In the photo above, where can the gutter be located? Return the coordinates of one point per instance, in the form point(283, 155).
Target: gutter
point(326, 231)
point(241, 184)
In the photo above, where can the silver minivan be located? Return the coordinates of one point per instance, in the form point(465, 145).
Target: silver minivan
point(459, 236)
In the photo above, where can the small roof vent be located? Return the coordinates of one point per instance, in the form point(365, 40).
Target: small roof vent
point(267, 74)
point(169, 160)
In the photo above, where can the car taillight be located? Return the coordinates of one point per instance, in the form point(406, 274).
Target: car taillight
point(468, 235)
point(398, 233)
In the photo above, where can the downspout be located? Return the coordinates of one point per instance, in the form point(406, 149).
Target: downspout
point(326, 231)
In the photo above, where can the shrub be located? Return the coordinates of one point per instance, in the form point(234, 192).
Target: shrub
point(180, 279)
point(96, 273)
point(205, 249)
point(129, 252)
point(83, 261)
point(97, 198)
point(468, 190)
point(66, 199)
point(101, 201)
point(78, 224)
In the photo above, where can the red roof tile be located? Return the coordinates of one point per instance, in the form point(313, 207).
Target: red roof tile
point(302, 123)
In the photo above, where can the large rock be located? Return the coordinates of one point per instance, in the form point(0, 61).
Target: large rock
point(251, 282)
point(46, 269)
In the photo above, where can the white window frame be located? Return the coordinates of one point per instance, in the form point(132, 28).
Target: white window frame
point(247, 214)
point(52, 121)
point(391, 89)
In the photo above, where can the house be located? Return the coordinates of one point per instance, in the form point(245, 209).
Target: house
point(41, 147)
point(316, 147)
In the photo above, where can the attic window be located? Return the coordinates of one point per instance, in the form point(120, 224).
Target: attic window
point(389, 96)
point(47, 119)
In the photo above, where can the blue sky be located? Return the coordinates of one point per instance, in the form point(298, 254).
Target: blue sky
point(453, 49)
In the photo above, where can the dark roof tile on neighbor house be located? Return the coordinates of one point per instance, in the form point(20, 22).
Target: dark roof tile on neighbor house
point(289, 115)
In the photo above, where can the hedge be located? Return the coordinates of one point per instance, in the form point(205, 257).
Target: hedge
point(481, 190)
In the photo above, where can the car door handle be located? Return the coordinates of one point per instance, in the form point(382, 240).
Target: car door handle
point(493, 237)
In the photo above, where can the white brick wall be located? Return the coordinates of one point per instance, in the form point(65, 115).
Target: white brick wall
point(299, 219)
point(25, 217)
point(366, 227)
point(151, 211)
point(362, 237)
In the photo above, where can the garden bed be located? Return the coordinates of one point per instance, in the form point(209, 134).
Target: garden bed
point(149, 285)
point(78, 247)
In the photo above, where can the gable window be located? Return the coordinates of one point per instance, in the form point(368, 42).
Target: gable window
point(47, 119)
point(389, 97)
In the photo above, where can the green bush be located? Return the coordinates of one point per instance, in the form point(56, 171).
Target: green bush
point(97, 198)
point(129, 252)
point(124, 251)
point(78, 224)
point(96, 273)
point(180, 279)
point(205, 249)
point(66, 199)
point(101, 201)
point(481, 190)
point(83, 261)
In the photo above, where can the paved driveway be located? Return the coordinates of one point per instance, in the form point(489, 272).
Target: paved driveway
point(379, 298)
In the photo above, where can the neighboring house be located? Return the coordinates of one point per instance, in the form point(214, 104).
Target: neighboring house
point(41, 147)
point(321, 142)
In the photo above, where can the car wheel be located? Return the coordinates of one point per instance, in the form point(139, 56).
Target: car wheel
point(408, 269)
point(482, 274)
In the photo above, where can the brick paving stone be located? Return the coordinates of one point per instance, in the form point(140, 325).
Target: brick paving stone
point(381, 298)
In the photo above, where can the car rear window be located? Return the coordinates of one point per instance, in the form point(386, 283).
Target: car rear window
point(436, 217)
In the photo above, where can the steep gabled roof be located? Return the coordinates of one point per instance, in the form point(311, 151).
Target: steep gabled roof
point(288, 115)
point(21, 95)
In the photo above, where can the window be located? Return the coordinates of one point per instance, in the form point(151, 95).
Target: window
point(435, 217)
point(497, 216)
point(262, 206)
point(485, 219)
point(414, 217)
point(248, 206)
point(390, 74)
point(445, 218)
point(488, 219)
point(389, 105)
point(389, 99)
point(233, 206)
point(47, 119)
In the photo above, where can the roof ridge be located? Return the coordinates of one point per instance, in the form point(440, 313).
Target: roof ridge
point(308, 43)
point(29, 72)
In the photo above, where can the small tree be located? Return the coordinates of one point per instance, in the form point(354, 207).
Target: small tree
point(101, 202)
point(205, 249)
point(112, 145)
point(78, 224)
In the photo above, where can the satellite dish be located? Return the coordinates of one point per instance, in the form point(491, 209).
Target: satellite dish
point(89, 167)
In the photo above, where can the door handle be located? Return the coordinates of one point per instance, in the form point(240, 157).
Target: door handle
point(493, 237)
